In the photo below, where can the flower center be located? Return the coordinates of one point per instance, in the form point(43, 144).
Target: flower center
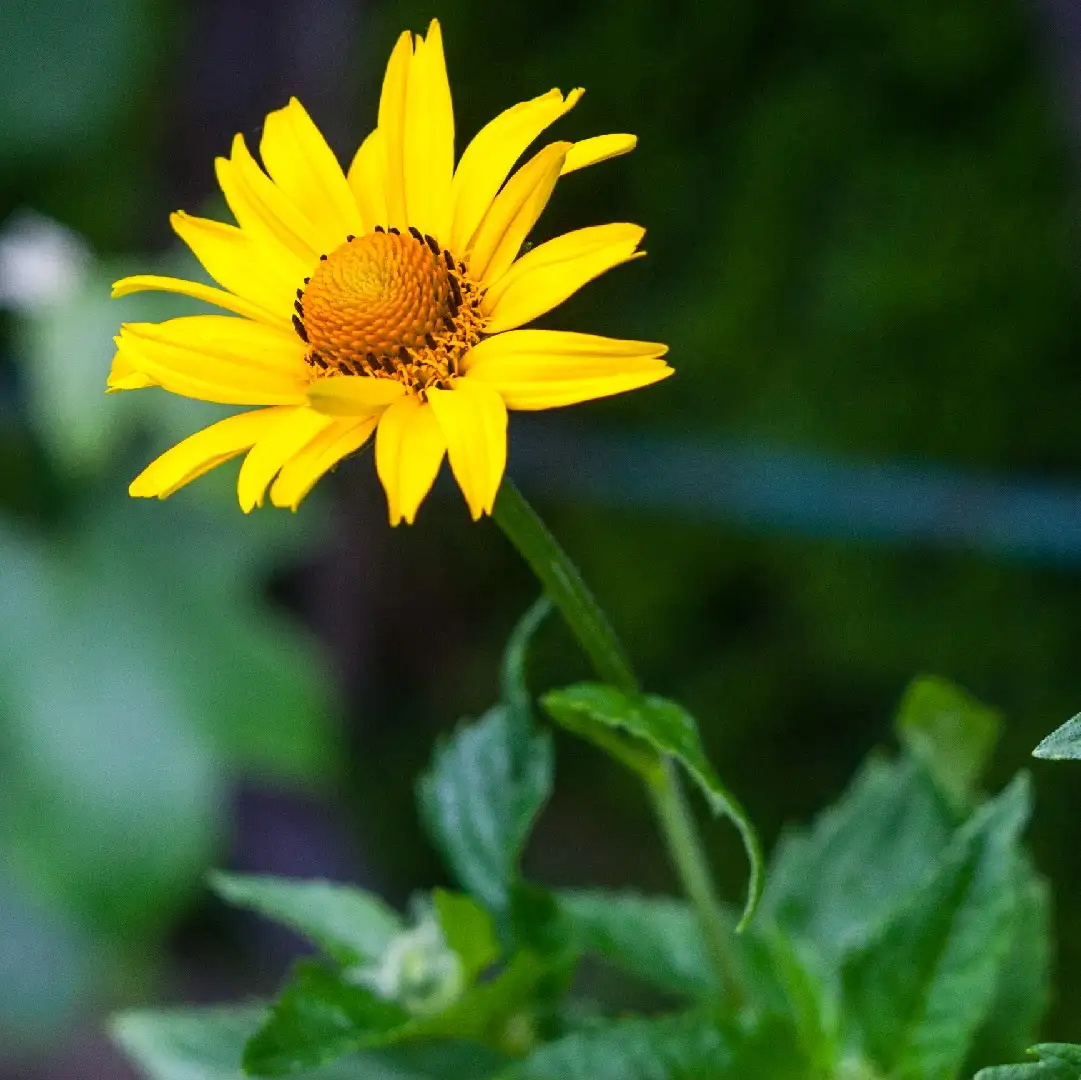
point(391, 306)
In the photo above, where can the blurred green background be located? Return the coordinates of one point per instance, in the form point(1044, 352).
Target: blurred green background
point(862, 223)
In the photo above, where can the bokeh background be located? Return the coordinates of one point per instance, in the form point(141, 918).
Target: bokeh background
point(863, 251)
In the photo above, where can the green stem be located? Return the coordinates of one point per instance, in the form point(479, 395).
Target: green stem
point(689, 858)
point(568, 591)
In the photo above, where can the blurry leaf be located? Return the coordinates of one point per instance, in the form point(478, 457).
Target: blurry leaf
point(348, 924)
point(919, 990)
point(207, 1044)
point(655, 938)
point(321, 1016)
point(468, 931)
point(488, 782)
point(834, 885)
point(951, 732)
point(109, 795)
point(1063, 743)
point(538, 922)
point(48, 969)
point(1058, 1061)
point(687, 1047)
point(638, 729)
point(254, 682)
point(1024, 983)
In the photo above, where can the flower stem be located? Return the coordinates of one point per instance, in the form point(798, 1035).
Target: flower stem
point(568, 591)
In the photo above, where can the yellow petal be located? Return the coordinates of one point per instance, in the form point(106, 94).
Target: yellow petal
point(491, 155)
point(219, 358)
point(197, 291)
point(514, 212)
point(474, 422)
point(300, 473)
point(392, 128)
point(201, 452)
point(353, 395)
point(428, 142)
point(302, 165)
point(544, 277)
point(600, 148)
point(122, 376)
point(241, 263)
point(367, 179)
point(294, 430)
point(544, 369)
point(262, 208)
point(409, 448)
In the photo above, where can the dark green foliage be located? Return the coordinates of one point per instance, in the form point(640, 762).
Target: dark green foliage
point(901, 936)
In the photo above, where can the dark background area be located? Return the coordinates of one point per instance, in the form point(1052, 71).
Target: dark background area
point(862, 250)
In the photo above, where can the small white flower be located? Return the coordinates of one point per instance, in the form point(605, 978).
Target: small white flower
point(42, 263)
point(417, 970)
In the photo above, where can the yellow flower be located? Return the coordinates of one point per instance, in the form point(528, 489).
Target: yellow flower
point(389, 299)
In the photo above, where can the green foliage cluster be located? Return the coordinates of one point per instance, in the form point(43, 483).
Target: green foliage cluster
point(903, 936)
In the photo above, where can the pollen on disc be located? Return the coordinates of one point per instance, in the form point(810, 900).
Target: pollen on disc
point(374, 294)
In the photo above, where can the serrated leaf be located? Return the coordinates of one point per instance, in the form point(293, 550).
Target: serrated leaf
point(318, 1018)
point(512, 675)
point(656, 938)
point(1057, 1061)
point(346, 923)
point(488, 782)
point(1066, 1053)
point(321, 1016)
point(640, 729)
point(951, 732)
point(1024, 983)
point(468, 931)
point(685, 1047)
point(1063, 744)
point(1036, 1070)
point(918, 991)
point(834, 884)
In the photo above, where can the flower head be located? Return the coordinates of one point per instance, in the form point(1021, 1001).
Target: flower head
point(389, 299)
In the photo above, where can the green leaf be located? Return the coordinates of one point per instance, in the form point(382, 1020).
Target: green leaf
point(468, 930)
point(951, 732)
point(1057, 1061)
point(685, 1047)
point(656, 938)
point(834, 885)
point(918, 991)
point(318, 1018)
point(109, 795)
point(208, 1043)
point(638, 729)
point(781, 979)
point(322, 1015)
point(1063, 744)
point(1024, 983)
point(488, 782)
point(348, 924)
